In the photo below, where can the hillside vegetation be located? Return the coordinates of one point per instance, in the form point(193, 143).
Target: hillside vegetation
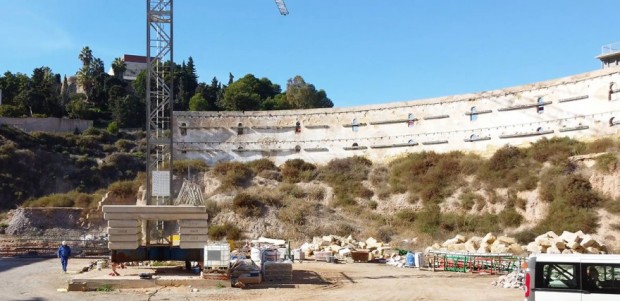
point(427, 195)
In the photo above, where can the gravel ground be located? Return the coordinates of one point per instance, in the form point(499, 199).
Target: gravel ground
point(38, 279)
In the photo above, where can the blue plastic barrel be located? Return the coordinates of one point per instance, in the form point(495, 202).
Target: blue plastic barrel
point(410, 260)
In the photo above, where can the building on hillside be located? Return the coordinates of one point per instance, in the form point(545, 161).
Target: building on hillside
point(582, 106)
point(134, 63)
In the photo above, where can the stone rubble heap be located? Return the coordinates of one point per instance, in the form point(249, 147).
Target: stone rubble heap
point(566, 243)
point(487, 244)
point(342, 246)
point(512, 280)
point(550, 243)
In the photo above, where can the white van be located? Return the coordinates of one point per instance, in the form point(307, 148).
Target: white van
point(572, 277)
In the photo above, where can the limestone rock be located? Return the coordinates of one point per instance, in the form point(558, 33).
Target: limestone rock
point(553, 250)
point(499, 248)
point(515, 249)
point(507, 240)
point(489, 238)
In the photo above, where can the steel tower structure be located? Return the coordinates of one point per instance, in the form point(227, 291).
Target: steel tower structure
point(159, 100)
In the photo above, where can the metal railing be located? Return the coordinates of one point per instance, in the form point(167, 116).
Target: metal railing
point(610, 48)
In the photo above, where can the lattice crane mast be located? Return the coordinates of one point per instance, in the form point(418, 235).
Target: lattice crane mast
point(282, 7)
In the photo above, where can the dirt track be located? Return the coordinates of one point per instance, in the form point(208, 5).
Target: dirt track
point(38, 279)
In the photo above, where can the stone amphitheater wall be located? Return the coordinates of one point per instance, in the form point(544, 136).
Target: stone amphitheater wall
point(584, 106)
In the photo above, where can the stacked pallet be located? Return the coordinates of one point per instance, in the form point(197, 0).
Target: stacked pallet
point(278, 271)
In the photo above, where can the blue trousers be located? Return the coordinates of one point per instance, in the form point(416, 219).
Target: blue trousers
point(64, 261)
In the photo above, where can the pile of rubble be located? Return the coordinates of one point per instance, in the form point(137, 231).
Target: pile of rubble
point(550, 243)
point(512, 280)
point(487, 244)
point(566, 243)
point(343, 246)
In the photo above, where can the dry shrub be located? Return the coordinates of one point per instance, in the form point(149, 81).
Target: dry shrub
point(232, 174)
point(555, 150)
point(606, 163)
point(601, 145)
point(260, 165)
point(346, 176)
point(298, 170)
point(180, 167)
point(124, 189)
point(248, 205)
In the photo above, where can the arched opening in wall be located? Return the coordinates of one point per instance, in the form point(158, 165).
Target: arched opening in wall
point(240, 148)
point(297, 148)
point(612, 88)
point(539, 130)
point(473, 114)
point(355, 125)
point(410, 120)
point(298, 127)
point(612, 121)
point(473, 137)
point(183, 129)
point(355, 144)
point(240, 129)
point(411, 141)
point(540, 108)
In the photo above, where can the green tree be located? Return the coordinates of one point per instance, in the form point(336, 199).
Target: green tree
point(86, 56)
point(247, 93)
point(128, 111)
point(301, 95)
point(119, 67)
point(198, 103)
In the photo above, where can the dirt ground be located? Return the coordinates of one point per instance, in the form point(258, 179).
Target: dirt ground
point(38, 279)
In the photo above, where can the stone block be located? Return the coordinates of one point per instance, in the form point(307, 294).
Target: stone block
point(475, 240)
point(123, 231)
point(499, 248)
point(456, 247)
point(570, 237)
point(450, 241)
point(193, 231)
point(123, 245)
point(129, 223)
point(170, 209)
point(553, 250)
point(567, 251)
point(193, 223)
point(573, 245)
point(460, 238)
point(552, 234)
point(471, 247)
point(559, 243)
point(588, 241)
point(544, 242)
point(371, 241)
point(506, 240)
point(193, 238)
point(483, 249)
point(489, 238)
point(125, 237)
point(533, 247)
point(516, 249)
point(593, 250)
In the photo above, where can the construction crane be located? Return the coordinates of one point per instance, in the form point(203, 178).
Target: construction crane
point(282, 7)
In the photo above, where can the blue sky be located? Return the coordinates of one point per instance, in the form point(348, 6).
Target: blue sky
point(360, 52)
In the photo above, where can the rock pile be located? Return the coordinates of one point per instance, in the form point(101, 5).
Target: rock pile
point(566, 243)
point(550, 243)
point(512, 280)
point(342, 246)
point(487, 244)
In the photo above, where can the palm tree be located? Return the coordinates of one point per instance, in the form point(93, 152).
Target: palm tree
point(86, 56)
point(119, 67)
point(97, 67)
point(85, 80)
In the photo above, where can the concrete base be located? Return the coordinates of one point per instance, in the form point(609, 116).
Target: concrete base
point(130, 279)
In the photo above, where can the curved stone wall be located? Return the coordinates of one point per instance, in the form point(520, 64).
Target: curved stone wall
point(583, 106)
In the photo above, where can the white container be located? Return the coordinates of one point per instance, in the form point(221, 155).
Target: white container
point(255, 255)
point(299, 254)
point(217, 255)
point(99, 265)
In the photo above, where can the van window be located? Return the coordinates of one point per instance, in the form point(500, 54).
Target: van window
point(561, 276)
point(601, 278)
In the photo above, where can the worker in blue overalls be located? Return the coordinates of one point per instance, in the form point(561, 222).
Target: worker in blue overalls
point(63, 253)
